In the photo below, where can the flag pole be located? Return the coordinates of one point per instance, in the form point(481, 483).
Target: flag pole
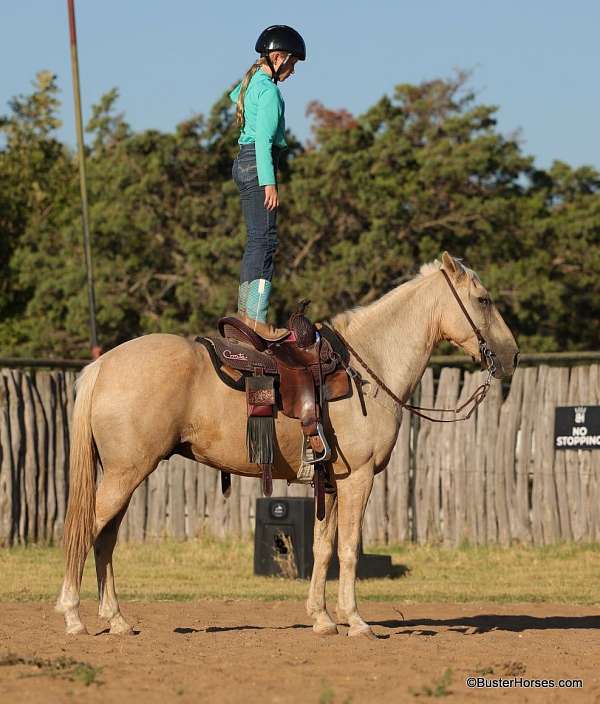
point(95, 348)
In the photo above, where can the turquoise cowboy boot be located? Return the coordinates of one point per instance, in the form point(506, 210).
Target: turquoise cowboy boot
point(257, 305)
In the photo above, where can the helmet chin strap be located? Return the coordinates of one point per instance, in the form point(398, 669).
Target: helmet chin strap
point(275, 73)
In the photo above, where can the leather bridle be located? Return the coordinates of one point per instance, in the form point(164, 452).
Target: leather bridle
point(488, 358)
point(488, 362)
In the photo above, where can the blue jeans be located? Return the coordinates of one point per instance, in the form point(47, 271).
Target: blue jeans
point(261, 224)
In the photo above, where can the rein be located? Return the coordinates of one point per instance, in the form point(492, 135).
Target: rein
point(488, 362)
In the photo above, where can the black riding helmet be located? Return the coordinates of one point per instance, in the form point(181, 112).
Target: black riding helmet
point(280, 37)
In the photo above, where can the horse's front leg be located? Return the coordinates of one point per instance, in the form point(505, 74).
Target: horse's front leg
point(324, 536)
point(353, 494)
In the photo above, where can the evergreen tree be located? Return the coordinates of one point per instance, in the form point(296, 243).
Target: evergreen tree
point(363, 203)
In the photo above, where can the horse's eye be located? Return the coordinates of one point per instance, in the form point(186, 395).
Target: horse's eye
point(485, 302)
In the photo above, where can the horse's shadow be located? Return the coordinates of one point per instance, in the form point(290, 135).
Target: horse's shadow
point(484, 623)
point(467, 625)
point(224, 629)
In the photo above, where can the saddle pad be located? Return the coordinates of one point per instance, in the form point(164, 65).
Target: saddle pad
point(242, 357)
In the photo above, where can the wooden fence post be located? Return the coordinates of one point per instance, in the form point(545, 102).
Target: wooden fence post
point(6, 466)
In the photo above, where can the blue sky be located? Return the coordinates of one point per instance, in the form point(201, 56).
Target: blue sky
point(538, 60)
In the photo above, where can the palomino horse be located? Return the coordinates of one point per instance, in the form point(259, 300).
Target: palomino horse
point(159, 395)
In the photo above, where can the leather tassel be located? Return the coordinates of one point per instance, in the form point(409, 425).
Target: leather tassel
point(260, 439)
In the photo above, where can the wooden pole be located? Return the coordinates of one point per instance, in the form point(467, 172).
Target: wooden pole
point(96, 351)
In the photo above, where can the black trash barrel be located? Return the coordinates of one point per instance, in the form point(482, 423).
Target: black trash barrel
point(283, 542)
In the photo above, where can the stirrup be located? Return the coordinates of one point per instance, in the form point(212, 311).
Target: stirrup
point(315, 459)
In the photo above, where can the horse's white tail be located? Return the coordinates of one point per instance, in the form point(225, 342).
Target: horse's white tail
point(81, 512)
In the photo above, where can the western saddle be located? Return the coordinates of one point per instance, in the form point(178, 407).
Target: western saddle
point(296, 376)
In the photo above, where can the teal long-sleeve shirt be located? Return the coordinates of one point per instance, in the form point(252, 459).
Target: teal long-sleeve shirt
point(264, 122)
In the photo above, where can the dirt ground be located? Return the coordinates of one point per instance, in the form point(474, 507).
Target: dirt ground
point(240, 651)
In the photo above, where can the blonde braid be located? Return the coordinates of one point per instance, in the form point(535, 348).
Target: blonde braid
point(239, 111)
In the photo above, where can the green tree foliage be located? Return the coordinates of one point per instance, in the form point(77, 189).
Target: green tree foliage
point(364, 203)
point(37, 180)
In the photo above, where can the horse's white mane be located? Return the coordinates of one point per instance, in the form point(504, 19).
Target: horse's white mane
point(357, 314)
point(429, 268)
point(434, 266)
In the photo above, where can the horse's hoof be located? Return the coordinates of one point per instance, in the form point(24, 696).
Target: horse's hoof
point(77, 630)
point(120, 627)
point(326, 629)
point(361, 630)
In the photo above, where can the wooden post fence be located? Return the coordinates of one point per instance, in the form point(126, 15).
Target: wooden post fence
point(494, 479)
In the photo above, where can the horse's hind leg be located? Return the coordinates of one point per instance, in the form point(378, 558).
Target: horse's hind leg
point(112, 498)
point(68, 600)
point(324, 536)
point(103, 553)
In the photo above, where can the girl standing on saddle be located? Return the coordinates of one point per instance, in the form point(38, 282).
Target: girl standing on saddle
point(260, 115)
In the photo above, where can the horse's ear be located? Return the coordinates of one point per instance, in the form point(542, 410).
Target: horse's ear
point(452, 267)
